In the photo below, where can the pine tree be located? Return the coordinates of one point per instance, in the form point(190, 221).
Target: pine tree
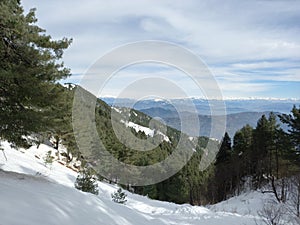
point(241, 161)
point(119, 196)
point(87, 182)
point(223, 169)
point(265, 148)
point(48, 159)
point(224, 154)
point(260, 150)
point(293, 121)
point(60, 118)
point(29, 69)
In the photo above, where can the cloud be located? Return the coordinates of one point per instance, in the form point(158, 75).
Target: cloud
point(241, 41)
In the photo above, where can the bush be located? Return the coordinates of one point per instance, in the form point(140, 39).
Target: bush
point(48, 159)
point(87, 182)
point(119, 196)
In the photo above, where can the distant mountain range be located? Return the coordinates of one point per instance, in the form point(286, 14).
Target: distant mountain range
point(234, 121)
point(239, 112)
point(203, 105)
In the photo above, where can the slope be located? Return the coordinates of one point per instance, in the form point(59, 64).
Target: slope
point(32, 193)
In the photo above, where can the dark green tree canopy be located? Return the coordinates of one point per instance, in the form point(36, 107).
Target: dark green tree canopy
point(224, 153)
point(29, 69)
point(242, 140)
point(293, 121)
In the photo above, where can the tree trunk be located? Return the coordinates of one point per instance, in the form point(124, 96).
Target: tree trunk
point(274, 189)
point(56, 142)
point(298, 197)
point(4, 154)
point(283, 191)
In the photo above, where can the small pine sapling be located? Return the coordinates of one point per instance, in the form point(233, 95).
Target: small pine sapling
point(87, 182)
point(119, 196)
point(48, 159)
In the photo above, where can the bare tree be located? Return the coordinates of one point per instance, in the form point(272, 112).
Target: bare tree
point(294, 196)
point(1, 149)
point(272, 213)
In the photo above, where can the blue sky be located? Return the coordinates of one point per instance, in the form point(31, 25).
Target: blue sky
point(251, 47)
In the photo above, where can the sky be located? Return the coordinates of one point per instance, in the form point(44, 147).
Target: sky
point(252, 48)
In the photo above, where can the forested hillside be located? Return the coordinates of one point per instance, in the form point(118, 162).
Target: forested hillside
point(188, 185)
point(36, 108)
point(262, 156)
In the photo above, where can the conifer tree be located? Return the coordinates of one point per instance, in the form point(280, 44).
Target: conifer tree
point(241, 161)
point(293, 122)
point(48, 159)
point(265, 141)
point(223, 170)
point(119, 196)
point(29, 69)
point(224, 153)
point(87, 182)
point(60, 118)
point(260, 149)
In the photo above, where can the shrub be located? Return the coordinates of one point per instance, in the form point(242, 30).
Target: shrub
point(87, 182)
point(119, 196)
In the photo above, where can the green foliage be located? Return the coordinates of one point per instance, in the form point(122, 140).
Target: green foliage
point(48, 159)
point(241, 156)
point(29, 68)
point(293, 121)
point(265, 154)
point(87, 182)
point(223, 169)
point(224, 154)
point(60, 117)
point(242, 146)
point(119, 196)
point(188, 185)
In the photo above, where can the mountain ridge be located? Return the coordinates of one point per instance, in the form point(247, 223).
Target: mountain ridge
point(205, 107)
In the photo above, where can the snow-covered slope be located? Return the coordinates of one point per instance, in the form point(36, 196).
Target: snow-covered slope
point(31, 193)
point(149, 132)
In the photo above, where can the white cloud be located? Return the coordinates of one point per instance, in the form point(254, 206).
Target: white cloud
point(240, 40)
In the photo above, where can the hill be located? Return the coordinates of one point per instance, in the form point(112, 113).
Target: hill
point(238, 112)
point(234, 121)
point(32, 193)
point(203, 105)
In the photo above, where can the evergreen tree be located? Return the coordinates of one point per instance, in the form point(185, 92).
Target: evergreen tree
point(293, 121)
point(224, 154)
point(241, 156)
point(265, 148)
point(119, 196)
point(48, 159)
point(260, 149)
point(60, 118)
point(29, 68)
point(291, 145)
point(223, 170)
point(87, 182)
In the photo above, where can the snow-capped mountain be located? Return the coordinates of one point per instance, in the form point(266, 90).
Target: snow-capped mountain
point(203, 106)
point(238, 111)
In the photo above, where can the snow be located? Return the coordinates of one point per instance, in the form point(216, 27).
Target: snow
point(32, 193)
point(116, 109)
point(245, 204)
point(191, 138)
point(149, 132)
point(134, 113)
point(165, 137)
